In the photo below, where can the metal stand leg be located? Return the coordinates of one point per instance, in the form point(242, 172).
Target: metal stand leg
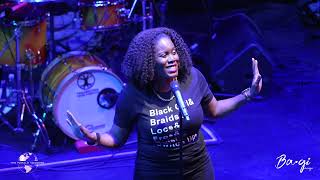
point(4, 102)
point(24, 101)
point(19, 116)
point(150, 15)
point(147, 15)
point(52, 48)
point(39, 122)
point(5, 121)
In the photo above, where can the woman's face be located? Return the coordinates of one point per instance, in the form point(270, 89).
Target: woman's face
point(166, 58)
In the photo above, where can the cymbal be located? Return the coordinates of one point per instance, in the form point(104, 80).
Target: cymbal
point(55, 7)
point(37, 1)
point(23, 13)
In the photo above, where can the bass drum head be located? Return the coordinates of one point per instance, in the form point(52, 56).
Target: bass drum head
point(90, 95)
point(59, 69)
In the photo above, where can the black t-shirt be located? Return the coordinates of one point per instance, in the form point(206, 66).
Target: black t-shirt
point(158, 125)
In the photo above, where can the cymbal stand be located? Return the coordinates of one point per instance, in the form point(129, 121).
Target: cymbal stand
point(23, 99)
point(147, 13)
point(2, 118)
point(4, 83)
point(39, 122)
point(4, 101)
point(52, 46)
point(131, 10)
point(19, 115)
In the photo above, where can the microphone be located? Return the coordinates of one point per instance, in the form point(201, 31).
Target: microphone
point(176, 91)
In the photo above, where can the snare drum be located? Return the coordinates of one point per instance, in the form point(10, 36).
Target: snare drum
point(32, 43)
point(103, 14)
point(81, 83)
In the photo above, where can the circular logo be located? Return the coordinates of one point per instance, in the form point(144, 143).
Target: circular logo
point(86, 80)
point(28, 162)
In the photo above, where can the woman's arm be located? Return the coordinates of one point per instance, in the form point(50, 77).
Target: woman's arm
point(222, 107)
point(115, 137)
point(219, 108)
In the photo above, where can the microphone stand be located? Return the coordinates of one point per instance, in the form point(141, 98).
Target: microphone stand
point(180, 146)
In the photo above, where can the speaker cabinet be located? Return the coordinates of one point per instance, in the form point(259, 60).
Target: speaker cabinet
point(235, 40)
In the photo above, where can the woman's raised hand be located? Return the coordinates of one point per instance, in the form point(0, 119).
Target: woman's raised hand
point(256, 84)
point(78, 130)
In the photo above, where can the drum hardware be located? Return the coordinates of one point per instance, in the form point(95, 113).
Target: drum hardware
point(7, 44)
point(102, 15)
point(4, 102)
point(147, 13)
point(8, 11)
point(55, 6)
point(41, 128)
point(23, 98)
point(17, 34)
point(132, 8)
point(30, 56)
point(8, 97)
point(123, 12)
point(33, 38)
point(5, 120)
point(107, 98)
point(52, 46)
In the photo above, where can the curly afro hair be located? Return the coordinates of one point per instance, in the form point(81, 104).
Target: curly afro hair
point(139, 63)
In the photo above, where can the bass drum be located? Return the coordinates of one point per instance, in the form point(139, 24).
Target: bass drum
point(81, 83)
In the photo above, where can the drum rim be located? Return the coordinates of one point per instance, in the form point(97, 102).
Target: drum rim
point(64, 82)
point(104, 27)
point(55, 62)
point(101, 3)
point(25, 23)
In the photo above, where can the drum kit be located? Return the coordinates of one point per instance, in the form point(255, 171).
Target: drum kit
point(76, 81)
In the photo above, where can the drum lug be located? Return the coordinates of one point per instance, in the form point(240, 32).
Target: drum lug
point(123, 12)
point(49, 106)
point(104, 68)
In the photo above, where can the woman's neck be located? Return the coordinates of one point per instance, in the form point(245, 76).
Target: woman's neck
point(162, 85)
